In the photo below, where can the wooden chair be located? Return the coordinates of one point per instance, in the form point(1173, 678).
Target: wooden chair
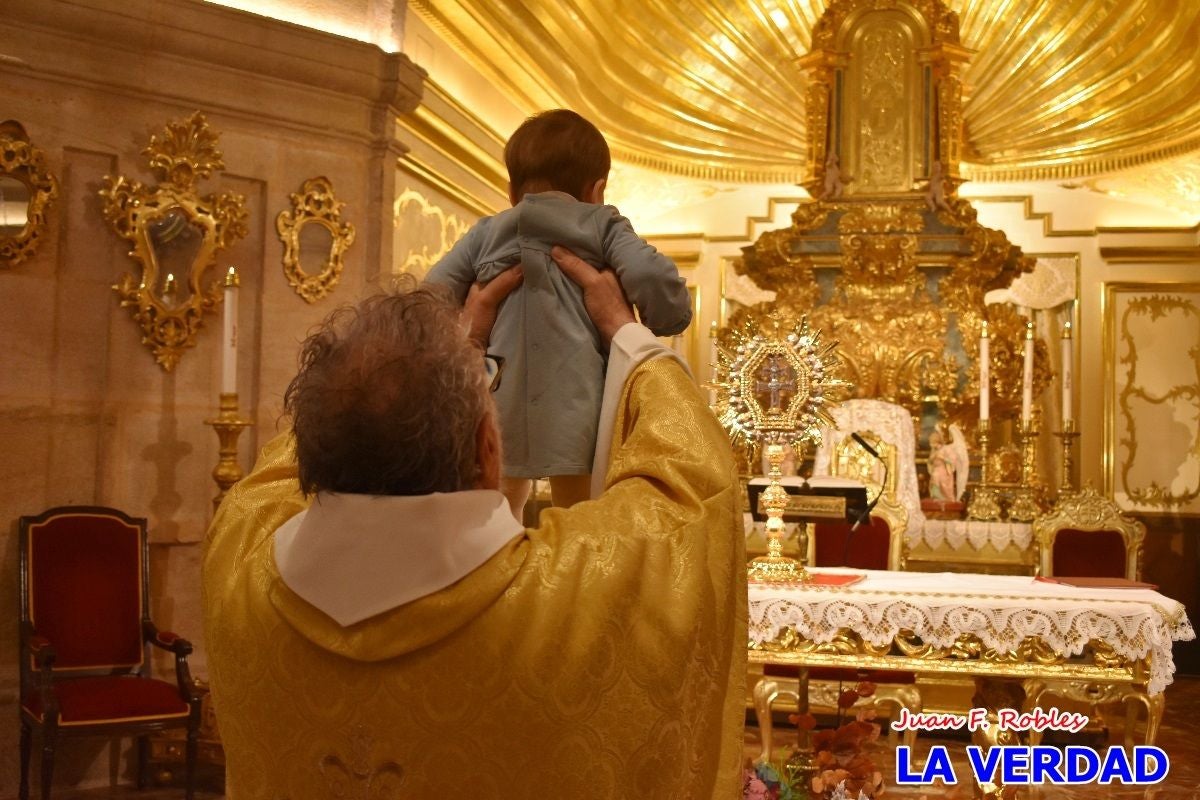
point(85, 637)
point(877, 545)
point(1086, 535)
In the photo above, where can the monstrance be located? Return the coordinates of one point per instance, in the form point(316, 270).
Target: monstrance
point(774, 391)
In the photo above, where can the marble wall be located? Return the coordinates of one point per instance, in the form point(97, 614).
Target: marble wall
point(86, 415)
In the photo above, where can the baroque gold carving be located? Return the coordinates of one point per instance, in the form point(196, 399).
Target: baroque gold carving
point(314, 204)
point(430, 231)
point(1183, 394)
point(173, 228)
point(27, 191)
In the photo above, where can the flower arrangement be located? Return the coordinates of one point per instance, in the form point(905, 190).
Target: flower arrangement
point(843, 757)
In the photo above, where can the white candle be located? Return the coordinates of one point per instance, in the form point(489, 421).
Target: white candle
point(985, 370)
point(1067, 386)
point(1027, 378)
point(229, 337)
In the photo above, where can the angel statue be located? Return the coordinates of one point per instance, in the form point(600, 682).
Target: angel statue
point(833, 186)
point(949, 463)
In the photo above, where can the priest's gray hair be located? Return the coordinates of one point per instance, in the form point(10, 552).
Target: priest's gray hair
point(388, 398)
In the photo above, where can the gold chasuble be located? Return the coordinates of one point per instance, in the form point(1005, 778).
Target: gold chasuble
point(601, 655)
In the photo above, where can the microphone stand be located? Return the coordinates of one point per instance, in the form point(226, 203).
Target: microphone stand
point(866, 512)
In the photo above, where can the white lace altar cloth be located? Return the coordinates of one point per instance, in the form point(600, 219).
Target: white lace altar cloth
point(973, 533)
point(1002, 610)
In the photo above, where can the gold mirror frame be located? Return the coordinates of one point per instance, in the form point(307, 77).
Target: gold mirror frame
point(23, 162)
point(314, 204)
point(186, 152)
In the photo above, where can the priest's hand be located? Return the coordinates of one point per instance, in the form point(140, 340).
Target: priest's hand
point(602, 295)
point(483, 301)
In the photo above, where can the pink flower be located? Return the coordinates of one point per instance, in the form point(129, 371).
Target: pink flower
point(753, 788)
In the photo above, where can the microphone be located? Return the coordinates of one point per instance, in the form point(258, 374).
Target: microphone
point(865, 445)
point(866, 512)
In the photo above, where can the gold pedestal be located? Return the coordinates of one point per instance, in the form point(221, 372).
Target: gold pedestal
point(228, 425)
point(775, 567)
point(1024, 507)
point(985, 501)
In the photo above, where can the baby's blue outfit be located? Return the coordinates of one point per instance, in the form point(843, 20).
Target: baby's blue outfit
point(549, 395)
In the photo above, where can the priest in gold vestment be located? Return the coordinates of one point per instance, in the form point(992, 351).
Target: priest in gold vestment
point(373, 641)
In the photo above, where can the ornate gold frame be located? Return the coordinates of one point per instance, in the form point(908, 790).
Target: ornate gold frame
point(23, 162)
point(314, 204)
point(186, 152)
point(1121, 355)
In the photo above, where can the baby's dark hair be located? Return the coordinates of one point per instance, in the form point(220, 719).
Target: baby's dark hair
point(556, 150)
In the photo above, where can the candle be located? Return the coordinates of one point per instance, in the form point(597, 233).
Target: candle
point(1027, 378)
point(985, 368)
point(1067, 387)
point(229, 339)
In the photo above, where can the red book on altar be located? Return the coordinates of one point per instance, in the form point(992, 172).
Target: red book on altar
point(1097, 583)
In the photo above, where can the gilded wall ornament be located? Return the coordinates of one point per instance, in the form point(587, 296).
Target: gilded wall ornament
point(314, 239)
point(176, 235)
point(27, 190)
point(1157, 394)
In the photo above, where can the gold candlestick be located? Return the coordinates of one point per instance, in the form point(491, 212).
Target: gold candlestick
point(1068, 435)
point(985, 500)
point(775, 566)
point(1024, 505)
point(228, 425)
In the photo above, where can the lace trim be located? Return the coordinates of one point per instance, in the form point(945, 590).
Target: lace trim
point(976, 534)
point(1133, 633)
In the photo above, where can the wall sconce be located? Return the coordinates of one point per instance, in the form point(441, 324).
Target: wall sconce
point(176, 236)
point(27, 190)
point(314, 239)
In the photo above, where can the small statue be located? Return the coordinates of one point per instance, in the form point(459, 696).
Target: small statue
point(935, 193)
point(949, 463)
point(834, 186)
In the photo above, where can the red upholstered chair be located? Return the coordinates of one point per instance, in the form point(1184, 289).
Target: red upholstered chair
point(1085, 535)
point(878, 545)
point(85, 639)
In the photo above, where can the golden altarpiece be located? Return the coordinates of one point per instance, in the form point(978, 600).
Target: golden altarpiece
point(887, 259)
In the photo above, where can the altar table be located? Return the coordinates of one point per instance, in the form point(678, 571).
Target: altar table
point(971, 624)
point(1019, 638)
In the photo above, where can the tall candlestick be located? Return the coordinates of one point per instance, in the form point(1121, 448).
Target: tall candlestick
point(985, 373)
point(1067, 386)
point(229, 339)
point(1027, 377)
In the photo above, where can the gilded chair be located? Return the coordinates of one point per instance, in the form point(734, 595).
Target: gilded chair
point(889, 427)
point(875, 545)
point(1086, 535)
point(85, 638)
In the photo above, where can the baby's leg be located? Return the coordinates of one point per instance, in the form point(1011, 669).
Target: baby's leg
point(516, 490)
point(567, 490)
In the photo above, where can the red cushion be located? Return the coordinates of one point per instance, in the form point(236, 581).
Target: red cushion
point(83, 701)
point(85, 582)
point(1098, 554)
point(868, 548)
point(847, 675)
